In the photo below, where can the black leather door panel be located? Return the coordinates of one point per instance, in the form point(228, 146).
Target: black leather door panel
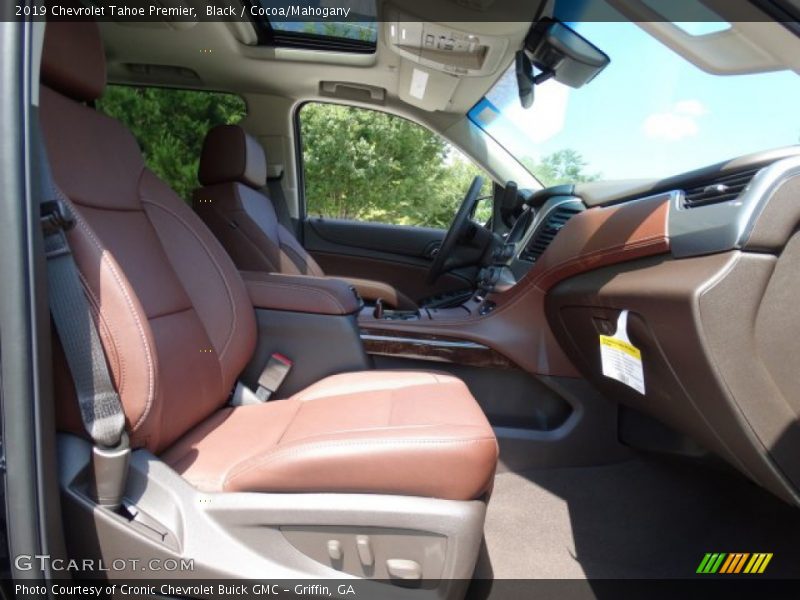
point(328, 235)
point(394, 254)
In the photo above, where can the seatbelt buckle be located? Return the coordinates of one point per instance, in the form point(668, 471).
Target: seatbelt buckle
point(273, 375)
point(55, 216)
point(56, 219)
point(243, 396)
point(110, 473)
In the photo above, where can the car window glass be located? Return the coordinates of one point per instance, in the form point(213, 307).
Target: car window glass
point(170, 126)
point(366, 165)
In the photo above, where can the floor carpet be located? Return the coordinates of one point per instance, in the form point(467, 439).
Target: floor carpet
point(645, 518)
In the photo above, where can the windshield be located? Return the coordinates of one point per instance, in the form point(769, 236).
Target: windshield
point(649, 114)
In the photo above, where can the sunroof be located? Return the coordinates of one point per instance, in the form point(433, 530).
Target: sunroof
point(333, 25)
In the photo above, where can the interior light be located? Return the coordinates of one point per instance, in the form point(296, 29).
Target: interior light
point(698, 29)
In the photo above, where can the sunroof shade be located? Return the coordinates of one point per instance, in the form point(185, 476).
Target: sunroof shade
point(333, 25)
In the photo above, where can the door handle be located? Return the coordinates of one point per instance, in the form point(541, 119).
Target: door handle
point(432, 250)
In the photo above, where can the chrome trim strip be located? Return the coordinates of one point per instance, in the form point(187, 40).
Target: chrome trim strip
point(421, 342)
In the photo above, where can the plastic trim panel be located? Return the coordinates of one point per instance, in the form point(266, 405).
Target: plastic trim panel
point(725, 226)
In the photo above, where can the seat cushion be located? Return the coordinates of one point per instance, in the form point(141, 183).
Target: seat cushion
point(389, 432)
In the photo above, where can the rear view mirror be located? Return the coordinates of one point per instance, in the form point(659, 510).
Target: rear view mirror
point(563, 54)
point(525, 79)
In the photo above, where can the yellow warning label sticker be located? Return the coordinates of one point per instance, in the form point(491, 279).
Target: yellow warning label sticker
point(625, 347)
point(620, 359)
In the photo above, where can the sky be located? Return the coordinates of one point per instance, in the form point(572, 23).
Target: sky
point(650, 113)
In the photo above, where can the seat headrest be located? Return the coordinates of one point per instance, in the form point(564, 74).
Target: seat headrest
point(73, 60)
point(231, 155)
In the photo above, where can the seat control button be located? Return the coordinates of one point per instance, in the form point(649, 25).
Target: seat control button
point(335, 549)
point(399, 568)
point(364, 547)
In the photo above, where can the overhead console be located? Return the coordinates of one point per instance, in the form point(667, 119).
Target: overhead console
point(435, 56)
point(444, 48)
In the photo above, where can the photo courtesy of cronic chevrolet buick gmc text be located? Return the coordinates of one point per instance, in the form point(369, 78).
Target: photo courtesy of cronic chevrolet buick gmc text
point(400, 298)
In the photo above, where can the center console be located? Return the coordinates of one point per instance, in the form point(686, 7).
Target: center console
point(308, 317)
point(491, 280)
point(505, 320)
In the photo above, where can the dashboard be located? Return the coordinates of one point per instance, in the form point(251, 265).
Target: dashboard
point(732, 194)
point(706, 265)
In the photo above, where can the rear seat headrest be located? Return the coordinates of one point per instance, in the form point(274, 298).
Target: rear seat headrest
point(231, 155)
point(73, 60)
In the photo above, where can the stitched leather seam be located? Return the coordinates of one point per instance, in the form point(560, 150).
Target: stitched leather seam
point(205, 248)
point(377, 429)
point(289, 423)
point(171, 313)
point(150, 366)
point(283, 453)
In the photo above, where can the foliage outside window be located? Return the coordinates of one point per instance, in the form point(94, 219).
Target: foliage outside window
point(367, 165)
point(171, 125)
point(559, 167)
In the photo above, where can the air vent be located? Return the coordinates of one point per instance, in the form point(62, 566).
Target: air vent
point(548, 230)
point(721, 189)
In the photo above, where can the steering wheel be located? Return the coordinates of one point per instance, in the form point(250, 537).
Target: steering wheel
point(457, 229)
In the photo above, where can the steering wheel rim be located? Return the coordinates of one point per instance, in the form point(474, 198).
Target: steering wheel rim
point(456, 229)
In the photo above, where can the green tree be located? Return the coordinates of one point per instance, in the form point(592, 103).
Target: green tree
point(170, 126)
point(359, 164)
point(371, 166)
point(563, 166)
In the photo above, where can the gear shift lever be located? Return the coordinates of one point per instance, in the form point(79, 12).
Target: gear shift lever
point(378, 312)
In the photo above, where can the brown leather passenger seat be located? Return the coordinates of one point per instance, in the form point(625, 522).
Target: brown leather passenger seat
point(178, 327)
point(233, 172)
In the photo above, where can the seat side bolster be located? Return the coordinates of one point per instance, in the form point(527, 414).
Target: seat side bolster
point(217, 292)
point(124, 331)
point(301, 261)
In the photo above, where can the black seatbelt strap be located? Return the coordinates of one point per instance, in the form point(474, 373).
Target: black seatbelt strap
point(278, 199)
point(100, 405)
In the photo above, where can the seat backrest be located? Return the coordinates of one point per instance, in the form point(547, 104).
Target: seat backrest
point(233, 171)
point(174, 316)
